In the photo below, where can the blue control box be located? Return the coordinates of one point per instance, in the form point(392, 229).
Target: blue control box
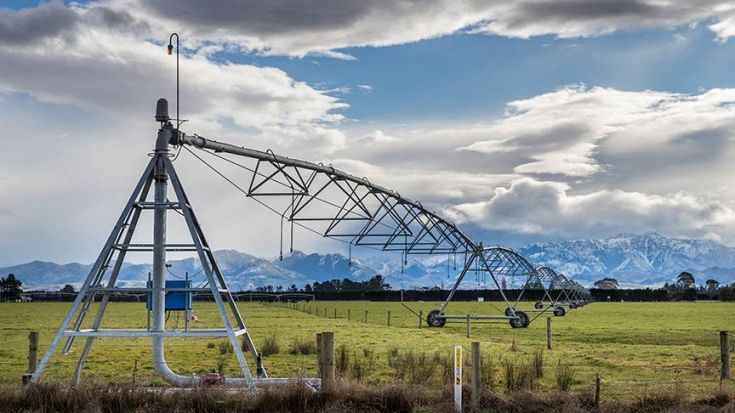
point(175, 300)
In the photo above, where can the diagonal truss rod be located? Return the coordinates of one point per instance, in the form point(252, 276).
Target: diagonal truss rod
point(359, 212)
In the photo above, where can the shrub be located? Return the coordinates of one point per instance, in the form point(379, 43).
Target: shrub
point(538, 364)
point(342, 363)
point(352, 365)
point(302, 346)
point(392, 355)
point(705, 365)
point(487, 372)
point(446, 364)
point(565, 377)
point(518, 377)
point(270, 345)
point(224, 347)
point(412, 368)
point(220, 365)
point(447, 367)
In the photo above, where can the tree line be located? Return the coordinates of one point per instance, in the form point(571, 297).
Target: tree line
point(684, 288)
point(376, 283)
point(11, 288)
point(376, 288)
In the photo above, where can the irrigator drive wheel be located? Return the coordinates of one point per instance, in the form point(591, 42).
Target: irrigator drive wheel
point(559, 311)
point(572, 305)
point(433, 321)
point(521, 320)
point(539, 305)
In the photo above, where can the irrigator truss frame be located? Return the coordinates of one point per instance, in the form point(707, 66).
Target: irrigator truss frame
point(366, 215)
point(508, 263)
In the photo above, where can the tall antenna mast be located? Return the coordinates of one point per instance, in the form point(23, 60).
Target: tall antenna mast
point(170, 51)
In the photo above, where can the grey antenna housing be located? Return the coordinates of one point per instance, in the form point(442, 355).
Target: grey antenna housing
point(162, 110)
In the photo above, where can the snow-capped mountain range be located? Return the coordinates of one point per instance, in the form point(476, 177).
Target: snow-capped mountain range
point(647, 259)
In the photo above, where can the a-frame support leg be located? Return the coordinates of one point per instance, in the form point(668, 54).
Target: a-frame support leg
point(218, 274)
point(207, 263)
point(111, 282)
point(94, 272)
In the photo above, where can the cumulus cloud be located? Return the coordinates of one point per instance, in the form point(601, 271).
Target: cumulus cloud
point(28, 25)
point(322, 27)
point(297, 28)
point(580, 132)
point(575, 162)
point(534, 207)
point(648, 141)
point(99, 58)
point(579, 18)
point(428, 185)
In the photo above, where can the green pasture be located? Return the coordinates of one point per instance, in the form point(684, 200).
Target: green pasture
point(632, 346)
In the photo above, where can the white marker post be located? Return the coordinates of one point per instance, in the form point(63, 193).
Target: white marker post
point(458, 379)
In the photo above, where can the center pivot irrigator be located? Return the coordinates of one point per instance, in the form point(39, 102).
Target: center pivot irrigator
point(318, 198)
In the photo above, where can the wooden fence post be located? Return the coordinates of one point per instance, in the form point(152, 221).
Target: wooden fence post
point(548, 333)
point(476, 378)
point(421, 318)
point(388, 318)
point(319, 354)
point(32, 356)
point(366, 316)
point(135, 372)
point(335, 313)
point(328, 360)
point(597, 390)
point(468, 326)
point(725, 355)
point(348, 314)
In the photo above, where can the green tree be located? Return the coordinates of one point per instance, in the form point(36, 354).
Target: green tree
point(377, 283)
point(712, 286)
point(685, 280)
point(10, 288)
point(68, 289)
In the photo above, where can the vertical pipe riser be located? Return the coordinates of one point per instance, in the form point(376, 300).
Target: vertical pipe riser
point(159, 242)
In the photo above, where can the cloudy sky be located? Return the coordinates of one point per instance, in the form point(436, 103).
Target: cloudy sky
point(523, 121)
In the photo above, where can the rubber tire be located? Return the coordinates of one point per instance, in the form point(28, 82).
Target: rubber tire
point(433, 321)
point(559, 311)
point(522, 320)
point(538, 305)
point(572, 305)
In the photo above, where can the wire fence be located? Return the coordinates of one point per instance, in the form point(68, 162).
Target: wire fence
point(691, 379)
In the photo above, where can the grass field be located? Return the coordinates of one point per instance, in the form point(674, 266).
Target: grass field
point(633, 346)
